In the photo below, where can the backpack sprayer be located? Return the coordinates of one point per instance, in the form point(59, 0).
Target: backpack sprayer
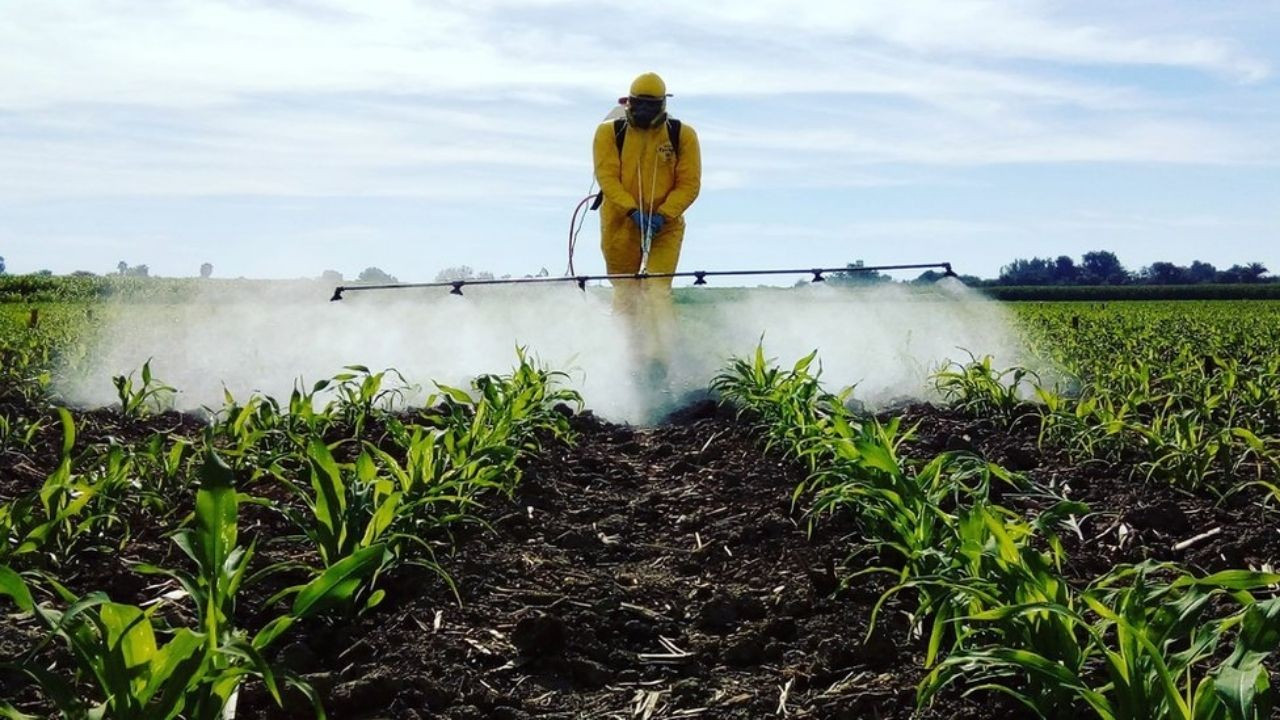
point(594, 199)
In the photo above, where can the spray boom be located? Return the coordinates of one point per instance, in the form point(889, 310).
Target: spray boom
point(699, 277)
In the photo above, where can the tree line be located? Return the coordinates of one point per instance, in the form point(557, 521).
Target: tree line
point(1102, 267)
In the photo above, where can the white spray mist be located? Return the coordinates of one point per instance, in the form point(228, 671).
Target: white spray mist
point(885, 339)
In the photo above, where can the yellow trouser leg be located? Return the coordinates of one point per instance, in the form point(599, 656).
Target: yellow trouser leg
point(646, 305)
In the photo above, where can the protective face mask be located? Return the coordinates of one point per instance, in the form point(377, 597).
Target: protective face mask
point(644, 112)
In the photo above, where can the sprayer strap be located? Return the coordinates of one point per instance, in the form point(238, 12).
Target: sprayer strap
point(673, 133)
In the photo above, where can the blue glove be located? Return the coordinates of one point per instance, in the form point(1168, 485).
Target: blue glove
point(652, 222)
point(656, 222)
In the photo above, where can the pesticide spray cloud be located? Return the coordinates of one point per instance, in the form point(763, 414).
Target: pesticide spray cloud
point(886, 339)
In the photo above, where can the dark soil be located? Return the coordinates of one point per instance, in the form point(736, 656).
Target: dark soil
point(1131, 520)
point(662, 573)
point(640, 573)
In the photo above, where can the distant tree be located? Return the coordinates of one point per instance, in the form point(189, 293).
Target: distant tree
point(1201, 272)
point(43, 273)
point(462, 272)
point(1165, 273)
point(331, 276)
point(83, 273)
point(1251, 273)
point(853, 275)
point(128, 270)
point(375, 275)
point(929, 277)
point(1065, 271)
point(1036, 271)
point(543, 273)
point(1102, 267)
point(206, 270)
point(1, 265)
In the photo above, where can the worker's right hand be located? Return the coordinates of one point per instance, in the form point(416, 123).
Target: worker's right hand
point(641, 219)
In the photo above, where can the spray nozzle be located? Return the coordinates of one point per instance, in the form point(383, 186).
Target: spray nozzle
point(457, 287)
point(337, 294)
point(817, 276)
point(700, 278)
point(582, 282)
point(949, 272)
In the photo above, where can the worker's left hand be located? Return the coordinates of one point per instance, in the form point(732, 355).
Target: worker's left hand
point(656, 222)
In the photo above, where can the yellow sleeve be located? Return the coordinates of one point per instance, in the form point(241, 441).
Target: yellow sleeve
point(688, 176)
point(609, 169)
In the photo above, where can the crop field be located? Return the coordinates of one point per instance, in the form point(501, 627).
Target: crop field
point(1094, 534)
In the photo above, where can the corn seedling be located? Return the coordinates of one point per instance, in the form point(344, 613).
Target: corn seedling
point(148, 396)
point(131, 674)
point(1154, 645)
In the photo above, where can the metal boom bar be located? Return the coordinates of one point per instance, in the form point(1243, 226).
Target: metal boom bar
point(699, 277)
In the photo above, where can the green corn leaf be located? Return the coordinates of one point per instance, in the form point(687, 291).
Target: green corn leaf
point(128, 628)
point(68, 431)
point(382, 518)
point(1231, 580)
point(338, 583)
point(11, 584)
point(1238, 690)
point(216, 511)
point(1253, 441)
point(175, 668)
point(272, 630)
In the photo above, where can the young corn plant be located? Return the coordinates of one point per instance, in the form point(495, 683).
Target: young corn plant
point(197, 672)
point(260, 439)
point(115, 650)
point(527, 400)
point(349, 510)
point(482, 433)
point(162, 459)
point(118, 656)
point(791, 405)
point(148, 396)
point(996, 563)
point(980, 389)
point(68, 511)
point(928, 528)
point(212, 546)
point(1155, 646)
point(361, 396)
point(17, 431)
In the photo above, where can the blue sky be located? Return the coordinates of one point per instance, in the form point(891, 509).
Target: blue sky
point(281, 139)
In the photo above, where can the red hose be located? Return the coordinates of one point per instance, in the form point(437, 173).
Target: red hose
point(573, 229)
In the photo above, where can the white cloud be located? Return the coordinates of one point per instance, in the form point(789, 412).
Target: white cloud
point(185, 52)
point(985, 28)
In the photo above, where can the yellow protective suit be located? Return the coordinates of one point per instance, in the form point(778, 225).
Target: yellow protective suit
point(647, 175)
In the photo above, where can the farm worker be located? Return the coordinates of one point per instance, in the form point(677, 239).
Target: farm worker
point(650, 171)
